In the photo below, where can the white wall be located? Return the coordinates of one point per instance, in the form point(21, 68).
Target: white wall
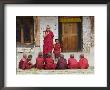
point(52, 21)
point(87, 41)
point(86, 26)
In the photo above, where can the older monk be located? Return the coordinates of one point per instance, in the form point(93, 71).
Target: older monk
point(48, 41)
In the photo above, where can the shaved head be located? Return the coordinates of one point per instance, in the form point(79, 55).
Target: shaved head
point(82, 56)
point(24, 55)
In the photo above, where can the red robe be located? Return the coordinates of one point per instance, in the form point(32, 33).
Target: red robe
point(72, 63)
point(25, 64)
point(39, 63)
point(57, 49)
point(83, 63)
point(22, 63)
point(29, 65)
point(48, 42)
point(49, 63)
point(62, 64)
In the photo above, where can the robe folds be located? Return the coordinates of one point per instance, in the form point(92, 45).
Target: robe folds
point(22, 63)
point(25, 64)
point(39, 63)
point(49, 63)
point(83, 63)
point(48, 43)
point(72, 63)
point(62, 64)
point(29, 65)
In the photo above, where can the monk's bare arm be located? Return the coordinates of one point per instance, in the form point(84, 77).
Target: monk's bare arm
point(45, 34)
point(60, 49)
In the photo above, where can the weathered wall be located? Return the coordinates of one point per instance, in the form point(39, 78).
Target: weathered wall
point(41, 22)
point(87, 35)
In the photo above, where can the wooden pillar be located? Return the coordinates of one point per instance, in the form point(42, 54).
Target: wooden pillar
point(22, 38)
point(31, 33)
point(37, 31)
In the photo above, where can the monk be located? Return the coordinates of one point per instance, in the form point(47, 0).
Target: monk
point(28, 64)
point(57, 49)
point(22, 62)
point(83, 62)
point(62, 63)
point(48, 41)
point(39, 61)
point(72, 62)
point(49, 62)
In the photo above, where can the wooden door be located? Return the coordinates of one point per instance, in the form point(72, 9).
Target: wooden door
point(69, 37)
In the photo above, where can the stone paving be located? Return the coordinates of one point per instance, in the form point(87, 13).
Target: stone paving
point(90, 70)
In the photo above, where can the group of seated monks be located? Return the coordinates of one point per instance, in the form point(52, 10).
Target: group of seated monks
point(49, 63)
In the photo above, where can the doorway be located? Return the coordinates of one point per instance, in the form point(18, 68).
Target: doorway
point(70, 36)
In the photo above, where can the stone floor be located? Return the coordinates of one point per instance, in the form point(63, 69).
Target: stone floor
point(90, 70)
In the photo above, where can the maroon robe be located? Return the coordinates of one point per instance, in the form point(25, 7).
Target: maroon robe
point(22, 63)
point(72, 63)
point(29, 65)
point(48, 42)
point(39, 63)
point(57, 50)
point(83, 63)
point(49, 63)
point(25, 64)
point(62, 64)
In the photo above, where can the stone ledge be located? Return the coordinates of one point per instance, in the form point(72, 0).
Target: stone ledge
point(26, 50)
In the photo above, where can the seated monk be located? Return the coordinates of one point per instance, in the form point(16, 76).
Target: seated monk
point(49, 62)
point(28, 64)
point(72, 62)
point(83, 62)
point(22, 62)
point(39, 61)
point(61, 64)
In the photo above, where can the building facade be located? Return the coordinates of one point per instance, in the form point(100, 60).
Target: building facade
point(75, 33)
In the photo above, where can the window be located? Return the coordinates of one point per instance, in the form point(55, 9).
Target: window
point(24, 30)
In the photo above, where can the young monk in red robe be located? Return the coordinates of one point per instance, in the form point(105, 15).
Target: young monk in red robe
point(25, 62)
point(49, 62)
point(62, 63)
point(28, 64)
point(83, 62)
point(22, 62)
point(39, 61)
point(72, 62)
point(48, 41)
point(57, 49)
